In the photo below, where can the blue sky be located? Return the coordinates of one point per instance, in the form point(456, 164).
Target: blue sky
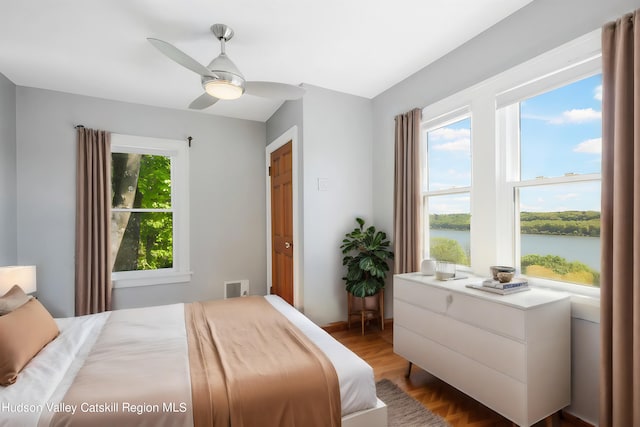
point(449, 149)
point(560, 134)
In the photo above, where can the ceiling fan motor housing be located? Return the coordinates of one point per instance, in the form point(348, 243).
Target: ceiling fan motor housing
point(225, 72)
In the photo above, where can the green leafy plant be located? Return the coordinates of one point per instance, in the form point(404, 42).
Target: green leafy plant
point(443, 249)
point(558, 268)
point(366, 253)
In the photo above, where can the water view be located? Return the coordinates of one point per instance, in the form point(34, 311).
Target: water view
point(573, 248)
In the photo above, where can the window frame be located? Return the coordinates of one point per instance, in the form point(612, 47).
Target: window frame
point(492, 204)
point(178, 152)
point(508, 123)
point(451, 117)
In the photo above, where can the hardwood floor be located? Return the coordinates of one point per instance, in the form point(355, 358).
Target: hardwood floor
point(376, 347)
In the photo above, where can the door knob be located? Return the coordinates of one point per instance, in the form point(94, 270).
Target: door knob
point(287, 245)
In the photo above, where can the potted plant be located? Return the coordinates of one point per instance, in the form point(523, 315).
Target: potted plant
point(366, 253)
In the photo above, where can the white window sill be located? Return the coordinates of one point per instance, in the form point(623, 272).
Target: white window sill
point(148, 278)
point(585, 300)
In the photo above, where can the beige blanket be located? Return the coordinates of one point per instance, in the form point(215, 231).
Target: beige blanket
point(251, 367)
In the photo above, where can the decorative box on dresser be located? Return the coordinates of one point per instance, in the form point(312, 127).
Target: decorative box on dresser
point(510, 352)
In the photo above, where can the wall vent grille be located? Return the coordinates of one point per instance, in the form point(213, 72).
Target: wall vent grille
point(236, 288)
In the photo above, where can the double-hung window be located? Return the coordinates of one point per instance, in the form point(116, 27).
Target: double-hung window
point(447, 187)
point(553, 144)
point(149, 211)
point(531, 196)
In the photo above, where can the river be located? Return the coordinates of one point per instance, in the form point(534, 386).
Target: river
point(572, 248)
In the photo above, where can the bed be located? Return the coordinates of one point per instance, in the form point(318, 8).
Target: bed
point(152, 342)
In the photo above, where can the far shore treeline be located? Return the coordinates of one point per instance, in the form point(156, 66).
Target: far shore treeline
point(565, 223)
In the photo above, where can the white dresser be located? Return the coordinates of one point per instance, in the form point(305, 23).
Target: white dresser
point(509, 352)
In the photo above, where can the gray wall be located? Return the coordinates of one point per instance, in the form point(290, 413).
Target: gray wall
point(288, 115)
point(227, 197)
point(337, 147)
point(8, 236)
point(540, 26)
point(335, 144)
point(585, 370)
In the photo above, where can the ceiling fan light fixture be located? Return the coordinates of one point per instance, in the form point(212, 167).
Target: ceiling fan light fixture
point(221, 79)
point(223, 89)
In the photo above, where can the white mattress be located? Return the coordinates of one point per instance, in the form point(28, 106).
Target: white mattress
point(45, 380)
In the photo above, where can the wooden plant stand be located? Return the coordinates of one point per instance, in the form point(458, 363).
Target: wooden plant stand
point(358, 306)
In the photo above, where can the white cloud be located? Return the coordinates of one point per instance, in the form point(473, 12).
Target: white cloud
point(524, 207)
point(593, 146)
point(447, 208)
point(463, 144)
point(535, 117)
point(597, 93)
point(536, 205)
point(446, 133)
point(577, 116)
point(566, 196)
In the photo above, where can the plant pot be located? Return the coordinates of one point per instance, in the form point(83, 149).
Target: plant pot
point(366, 303)
point(367, 308)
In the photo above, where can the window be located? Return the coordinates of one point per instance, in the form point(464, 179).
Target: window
point(149, 224)
point(533, 132)
point(556, 182)
point(447, 190)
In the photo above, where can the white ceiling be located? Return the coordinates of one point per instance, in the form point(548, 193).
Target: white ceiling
point(362, 47)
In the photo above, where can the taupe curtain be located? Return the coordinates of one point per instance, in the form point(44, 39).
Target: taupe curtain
point(407, 197)
point(620, 229)
point(93, 211)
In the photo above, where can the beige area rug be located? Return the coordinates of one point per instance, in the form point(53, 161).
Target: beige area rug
point(403, 410)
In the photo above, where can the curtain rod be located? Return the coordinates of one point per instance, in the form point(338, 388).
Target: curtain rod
point(189, 138)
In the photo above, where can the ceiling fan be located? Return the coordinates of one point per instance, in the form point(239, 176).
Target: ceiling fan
point(221, 79)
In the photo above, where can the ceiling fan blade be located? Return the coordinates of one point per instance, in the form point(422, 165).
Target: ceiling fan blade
point(203, 101)
point(180, 57)
point(274, 90)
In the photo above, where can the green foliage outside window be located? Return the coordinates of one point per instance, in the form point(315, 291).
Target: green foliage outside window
point(450, 221)
point(443, 249)
point(144, 240)
point(566, 223)
point(558, 268)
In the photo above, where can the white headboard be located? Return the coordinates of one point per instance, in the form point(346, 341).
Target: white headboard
point(21, 275)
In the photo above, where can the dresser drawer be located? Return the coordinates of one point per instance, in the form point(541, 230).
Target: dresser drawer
point(494, 351)
point(500, 392)
point(500, 318)
point(424, 296)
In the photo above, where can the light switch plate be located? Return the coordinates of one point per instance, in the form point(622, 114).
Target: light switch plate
point(323, 184)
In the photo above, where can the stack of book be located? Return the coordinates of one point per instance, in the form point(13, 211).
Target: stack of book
point(517, 284)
